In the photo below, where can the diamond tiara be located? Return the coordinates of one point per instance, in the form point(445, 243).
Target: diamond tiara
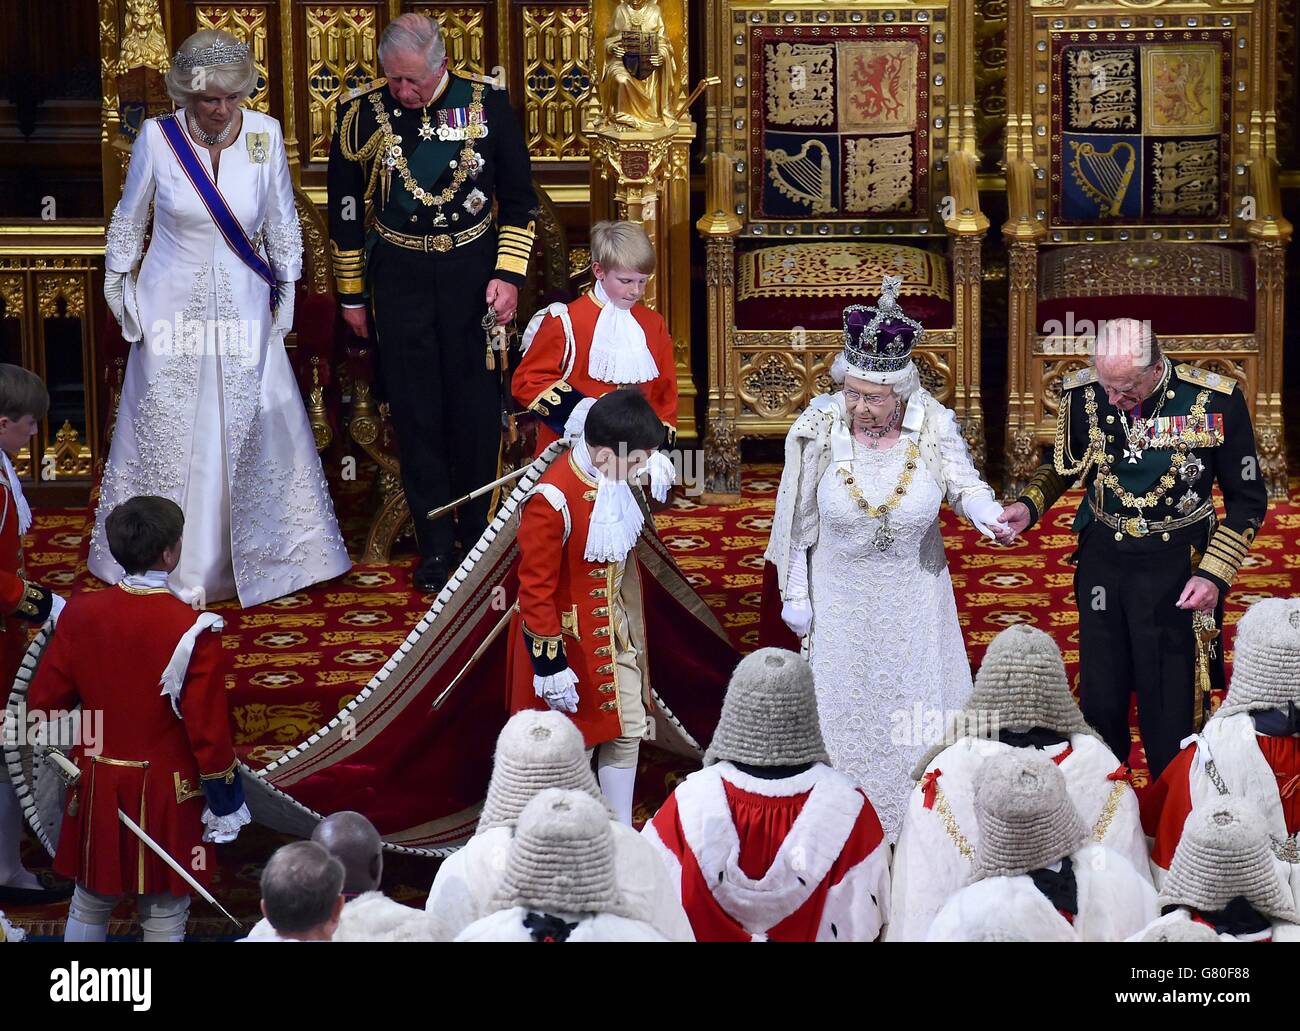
point(219, 53)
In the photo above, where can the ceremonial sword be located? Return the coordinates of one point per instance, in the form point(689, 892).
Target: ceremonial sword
point(71, 774)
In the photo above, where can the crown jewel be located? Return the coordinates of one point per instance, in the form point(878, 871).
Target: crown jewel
point(219, 53)
point(880, 339)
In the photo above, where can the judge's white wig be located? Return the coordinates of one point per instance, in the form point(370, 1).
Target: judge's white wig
point(905, 382)
point(239, 76)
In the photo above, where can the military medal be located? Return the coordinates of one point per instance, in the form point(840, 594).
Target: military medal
point(426, 127)
point(1192, 469)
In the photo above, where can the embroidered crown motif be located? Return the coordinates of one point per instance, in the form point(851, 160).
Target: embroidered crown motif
point(880, 339)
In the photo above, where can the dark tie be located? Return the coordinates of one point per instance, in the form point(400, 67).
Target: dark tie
point(1277, 722)
point(547, 928)
point(1237, 917)
point(1060, 888)
point(1035, 737)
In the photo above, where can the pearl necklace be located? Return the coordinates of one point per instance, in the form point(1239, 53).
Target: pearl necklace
point(877, 435)
point(211, 141)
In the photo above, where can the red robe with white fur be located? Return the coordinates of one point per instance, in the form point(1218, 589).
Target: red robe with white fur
point(108, 653)
point(550, 367)
point(1228, 756)
point(801, 858)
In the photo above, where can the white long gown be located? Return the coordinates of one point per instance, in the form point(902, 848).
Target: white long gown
point(885, 635)
point(888, 656)
point(219, 428)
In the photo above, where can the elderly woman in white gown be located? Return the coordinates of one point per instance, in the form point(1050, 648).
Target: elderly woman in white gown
point(211, 415)
point(860, 558)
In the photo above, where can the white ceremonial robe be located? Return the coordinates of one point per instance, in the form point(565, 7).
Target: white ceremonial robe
point(211, 415)
point(1115, 902)
point(507, 925)
point(1279, 932)
point(370, 917)
point(774, 868)
point(1227, 759)
point(468, 884)
point(936, 849)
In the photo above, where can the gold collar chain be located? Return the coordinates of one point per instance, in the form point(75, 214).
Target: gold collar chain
point(1106, 475)
point(394, 157)
point(884, 537)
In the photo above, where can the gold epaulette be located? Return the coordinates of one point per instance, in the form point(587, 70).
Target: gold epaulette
point(1211, 380)
point(487, 80)
point(361, 91)
point(1079, 378)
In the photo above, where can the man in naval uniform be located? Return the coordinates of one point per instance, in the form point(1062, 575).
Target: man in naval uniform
point(1149, 438)
point(416, 162)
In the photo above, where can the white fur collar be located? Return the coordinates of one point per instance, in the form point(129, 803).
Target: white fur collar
point(1233, 745)
point(801, 863)
point(618, 346)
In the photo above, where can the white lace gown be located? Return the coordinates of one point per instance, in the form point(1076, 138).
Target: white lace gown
point(219, 428)
point(886, 646)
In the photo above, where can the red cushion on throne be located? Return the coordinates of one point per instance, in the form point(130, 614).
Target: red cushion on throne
point(808, 284)
point(1182, 288)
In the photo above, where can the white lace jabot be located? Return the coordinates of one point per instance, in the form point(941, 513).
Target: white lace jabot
point(619, 353)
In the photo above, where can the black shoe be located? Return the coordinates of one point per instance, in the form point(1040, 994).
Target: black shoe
point(432, 574)
point(53, 889)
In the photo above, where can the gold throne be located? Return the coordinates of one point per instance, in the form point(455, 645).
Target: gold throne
point(842, 149)
point(1148, 131)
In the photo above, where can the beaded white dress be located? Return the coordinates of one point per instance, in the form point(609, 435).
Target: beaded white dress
point(886, 649)
point(215, 421)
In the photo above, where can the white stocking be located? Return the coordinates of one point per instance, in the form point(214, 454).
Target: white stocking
point(617, 785)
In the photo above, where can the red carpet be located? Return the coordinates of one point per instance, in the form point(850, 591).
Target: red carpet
point(298, 660)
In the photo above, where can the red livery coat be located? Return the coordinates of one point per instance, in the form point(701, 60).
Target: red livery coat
point(550, 380)
point(565, 599)
point(13, 589)
point(108, 653)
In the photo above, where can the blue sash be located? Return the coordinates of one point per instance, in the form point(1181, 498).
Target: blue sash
point(225, 219)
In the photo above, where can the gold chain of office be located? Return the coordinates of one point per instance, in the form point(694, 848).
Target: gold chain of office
point(393, 152)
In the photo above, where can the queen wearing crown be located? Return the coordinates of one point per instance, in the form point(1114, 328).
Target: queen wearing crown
point(860, 558)
point(211, 416)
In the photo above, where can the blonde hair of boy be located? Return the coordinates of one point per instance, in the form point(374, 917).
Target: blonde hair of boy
point(622, 245)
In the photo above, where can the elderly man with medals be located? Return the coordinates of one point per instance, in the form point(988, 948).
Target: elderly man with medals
point(415, 165)
point(859, 555)
point(1149, 438)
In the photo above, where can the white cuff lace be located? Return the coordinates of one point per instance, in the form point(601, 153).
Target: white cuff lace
point(578, 417)
point(559, 690)
point(663, 475)
point(223, 829)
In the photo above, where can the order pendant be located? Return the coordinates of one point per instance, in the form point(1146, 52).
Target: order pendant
point(883, 538)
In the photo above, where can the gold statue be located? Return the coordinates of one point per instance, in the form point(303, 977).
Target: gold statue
point(144, 44)
point(639, 86)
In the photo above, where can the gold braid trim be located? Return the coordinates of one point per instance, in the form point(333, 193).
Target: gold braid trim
point(1108, 811)
point(361, 154)
point(944, 812)
point(1062, 460)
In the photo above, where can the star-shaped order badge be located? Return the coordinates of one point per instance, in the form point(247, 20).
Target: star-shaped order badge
point(426, 129)
point(475, 202)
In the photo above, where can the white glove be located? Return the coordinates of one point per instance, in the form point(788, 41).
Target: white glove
point(119, 292)
point(57, 605)
point(282, 320)
point(985, 515)
point(797, 615)
point(663, 474)
point(223, 829)
point(578, 418)
point(559, 690)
